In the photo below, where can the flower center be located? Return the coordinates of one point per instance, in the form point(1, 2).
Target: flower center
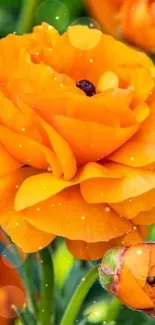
point(87, 86)
point(150, 280)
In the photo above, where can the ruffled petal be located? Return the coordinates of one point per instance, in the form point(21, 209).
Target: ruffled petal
point(13, 222)
point(145, 218)
point(50, 138)
point(138, 76)
point(134, 183)
point(88, 251)
point(133, 237)
point(29, 151)
point(88, 140)
point(78, 54)
point(140, 150)
point(7, 162)
point(132, 207)
point(27, 237)
point(48, 185)
point(59, 214)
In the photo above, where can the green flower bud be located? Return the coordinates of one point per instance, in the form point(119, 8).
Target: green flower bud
point(109, 268)
point(97, 312)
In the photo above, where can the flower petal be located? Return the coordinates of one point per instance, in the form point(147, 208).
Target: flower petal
point(134, 183)
point(105, 12)
point(145, 218)
point(48, 185)
point(22, 233)
point(88, 251)
point(85, 138)
point(83, 53)
point(59, 214)
point(140, 150)
point(28, 151)
point(13, 222)
point(133, 237)
point(136, 259)
point(7, 162)
point(131, 293)
point(132, 207)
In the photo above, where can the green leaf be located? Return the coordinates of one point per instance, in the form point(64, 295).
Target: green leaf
point(130, 317)
point(54, 12)
point(63, 261)
point(10, 3)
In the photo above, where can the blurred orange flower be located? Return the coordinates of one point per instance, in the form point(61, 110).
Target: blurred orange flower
point(133, 20)
point(129, 273)
point(76, 140)
point(11, 290)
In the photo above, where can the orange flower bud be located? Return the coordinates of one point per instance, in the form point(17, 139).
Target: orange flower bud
point(129, 273)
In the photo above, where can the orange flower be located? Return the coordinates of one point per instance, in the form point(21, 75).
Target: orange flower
point(100, 148)
point(132, 19)
point(11, 290)
point(129, 273)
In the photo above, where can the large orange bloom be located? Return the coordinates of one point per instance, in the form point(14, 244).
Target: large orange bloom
point(129, 273)
point(132, 19)
point(11, 290)
point(89, 175)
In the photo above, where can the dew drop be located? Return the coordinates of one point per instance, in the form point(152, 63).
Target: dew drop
point(139, 252)
point(107, 209)
point(49, 169)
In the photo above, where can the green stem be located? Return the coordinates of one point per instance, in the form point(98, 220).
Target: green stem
point(29, 284)
point(20, 315)
point(26, 17)
point(24, 316)
point(114, 309)
point(79, 296)
point(47, 287)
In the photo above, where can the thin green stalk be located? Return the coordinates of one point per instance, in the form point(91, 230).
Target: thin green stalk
point(25, 271)
point(29, 284)
point(114, 309)
point(20, 315)
point(27, 16)
point(79, 296)
point(46, 311)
